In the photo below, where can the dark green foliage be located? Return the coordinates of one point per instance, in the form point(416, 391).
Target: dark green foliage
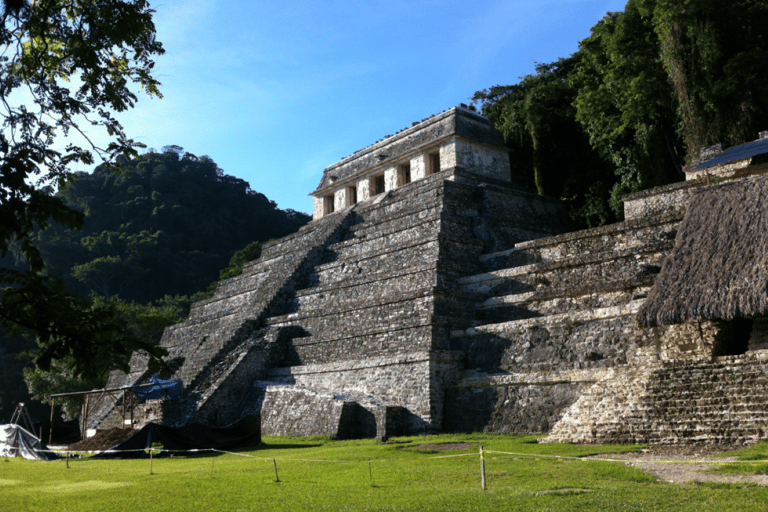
point(647, 89)
point(144, 322)
point(165, 225)
point(716, 56)
point(13, 359)
point(550, 150)
point(59, 318)
point(108, 47)
point(625, 104)
point(153, 238)
point(251, 252)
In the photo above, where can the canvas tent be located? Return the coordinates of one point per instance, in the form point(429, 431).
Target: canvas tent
point(16, 441)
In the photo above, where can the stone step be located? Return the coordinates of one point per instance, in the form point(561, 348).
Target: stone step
point(717, 414)
point(552, 301)
point(729, 398)
point(218, 307)
point(395, 313)
point(376, 261)
point(508, 258)
point(596, 338)
point(393, 222)
point(622, 236)
point(755, 371)
point(749, 406)
point(329, 347)
point(629, 235)
point(406, 202)
point(704, 432)
point(664, 429)
point(364, 298)
point(704, 388)
point(285, 246)
point(572, 317)
point(710, 386)
point(628, 266)
point(356, 291)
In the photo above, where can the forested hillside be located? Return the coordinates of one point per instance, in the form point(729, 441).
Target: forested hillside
point(645, 91)
point(166, 225)
point(157, 235)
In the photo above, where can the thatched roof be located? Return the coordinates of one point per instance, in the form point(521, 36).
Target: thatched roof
point(719, 266)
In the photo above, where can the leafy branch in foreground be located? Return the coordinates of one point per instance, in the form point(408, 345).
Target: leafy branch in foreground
point(66, 67)
point(93, 334)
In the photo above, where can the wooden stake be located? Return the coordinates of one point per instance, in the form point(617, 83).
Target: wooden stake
point(67, 460)
point(150, 459)
point(277, 478)
point(370, 471)
point(50, 427)
point(482, 466)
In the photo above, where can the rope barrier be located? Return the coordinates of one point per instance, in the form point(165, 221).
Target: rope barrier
point(345, 461)
point(603, 459)
point(460, 455)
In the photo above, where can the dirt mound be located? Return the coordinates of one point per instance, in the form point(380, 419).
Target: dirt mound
point(103, 440)
point(682, 464)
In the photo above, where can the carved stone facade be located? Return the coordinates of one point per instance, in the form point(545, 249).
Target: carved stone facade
point(430, 294)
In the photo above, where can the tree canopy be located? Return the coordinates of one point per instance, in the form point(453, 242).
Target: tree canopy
point(67, 67)
point(645, 91)
point(166, 225)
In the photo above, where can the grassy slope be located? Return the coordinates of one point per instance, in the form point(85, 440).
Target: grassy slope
point(317, 474)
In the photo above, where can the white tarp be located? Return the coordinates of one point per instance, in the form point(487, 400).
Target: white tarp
point(15, 441)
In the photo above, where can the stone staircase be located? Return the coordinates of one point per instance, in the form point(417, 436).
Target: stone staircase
point(721, 402)
point(224, 331)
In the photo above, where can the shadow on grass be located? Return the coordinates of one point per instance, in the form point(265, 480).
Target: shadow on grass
point(264, 446)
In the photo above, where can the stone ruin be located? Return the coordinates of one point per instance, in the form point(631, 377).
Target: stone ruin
point(430, 294)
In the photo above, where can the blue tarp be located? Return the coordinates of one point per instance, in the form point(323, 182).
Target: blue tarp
point(754, 148)
point(162, 387)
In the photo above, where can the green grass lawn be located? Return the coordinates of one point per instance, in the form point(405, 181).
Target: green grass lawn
point(320, 474)
point(751, 460)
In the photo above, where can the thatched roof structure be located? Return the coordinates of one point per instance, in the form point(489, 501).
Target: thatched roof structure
point(719, 266)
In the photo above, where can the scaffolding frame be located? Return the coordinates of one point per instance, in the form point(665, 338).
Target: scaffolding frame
point(113, 394)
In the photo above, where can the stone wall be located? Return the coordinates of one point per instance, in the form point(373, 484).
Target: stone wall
point(378, 314)
point(553, 317)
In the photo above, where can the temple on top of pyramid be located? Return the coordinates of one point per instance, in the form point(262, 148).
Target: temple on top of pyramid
point(457, 138)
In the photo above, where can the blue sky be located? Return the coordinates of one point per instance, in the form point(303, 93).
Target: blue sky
point(274, 92)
